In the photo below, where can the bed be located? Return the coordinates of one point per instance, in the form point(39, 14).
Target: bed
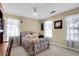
point(33, 44)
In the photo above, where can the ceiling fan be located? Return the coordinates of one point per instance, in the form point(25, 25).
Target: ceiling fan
point(35, 10)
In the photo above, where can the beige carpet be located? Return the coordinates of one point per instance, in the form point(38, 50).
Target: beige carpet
point(53, 51)
point(18, 51)
point(58, 51)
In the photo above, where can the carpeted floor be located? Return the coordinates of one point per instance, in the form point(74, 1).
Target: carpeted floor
point(53, 51)
point(18, 51)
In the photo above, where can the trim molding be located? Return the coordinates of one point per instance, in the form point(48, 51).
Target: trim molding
point(76, 50)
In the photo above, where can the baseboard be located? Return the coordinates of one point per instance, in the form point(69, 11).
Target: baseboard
point(76, 50)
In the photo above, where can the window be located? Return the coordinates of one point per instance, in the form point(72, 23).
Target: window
point(13, 27)
point(73, 31)
point(72, 27)
point(48, 29)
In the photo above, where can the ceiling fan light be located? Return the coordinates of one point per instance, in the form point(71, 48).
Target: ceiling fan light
point(35, 13)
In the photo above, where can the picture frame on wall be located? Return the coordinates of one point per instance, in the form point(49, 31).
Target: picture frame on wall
point(58, 24)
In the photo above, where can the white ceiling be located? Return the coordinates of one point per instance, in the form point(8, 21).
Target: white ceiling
point(43, 9)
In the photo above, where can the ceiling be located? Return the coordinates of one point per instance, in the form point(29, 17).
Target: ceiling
point(43, 9)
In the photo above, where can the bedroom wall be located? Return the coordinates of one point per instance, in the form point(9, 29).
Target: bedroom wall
point(59, 35)
point(28, 23)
